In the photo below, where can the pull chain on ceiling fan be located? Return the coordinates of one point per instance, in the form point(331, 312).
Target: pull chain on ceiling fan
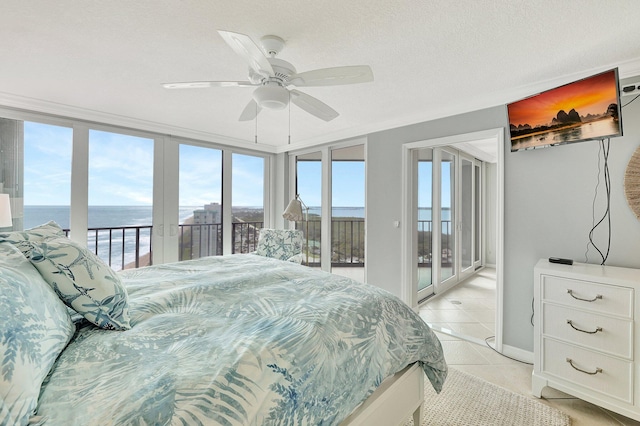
point(276, 80)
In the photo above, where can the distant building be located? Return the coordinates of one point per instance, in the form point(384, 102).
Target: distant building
point(210, 214)
point(204, 238)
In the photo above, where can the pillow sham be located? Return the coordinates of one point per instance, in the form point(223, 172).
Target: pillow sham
point(83, 281)
point(35, 327)
point(22, 239)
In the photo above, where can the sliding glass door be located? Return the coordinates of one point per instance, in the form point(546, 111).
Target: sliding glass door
point(477, 216)
point(309, 189)
point(331, 185)
point(447, 232)
point(347, 211)
point(447, 209)
point(424, 225)
point(466, 215)
point(247, 197)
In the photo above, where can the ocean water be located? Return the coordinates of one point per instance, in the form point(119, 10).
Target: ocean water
point(99, 216)
point(106, 217)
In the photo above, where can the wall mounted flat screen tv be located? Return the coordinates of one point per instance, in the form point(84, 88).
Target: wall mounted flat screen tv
point(586, 109)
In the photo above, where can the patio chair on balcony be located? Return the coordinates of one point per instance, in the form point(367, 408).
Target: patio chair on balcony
point(283, 244)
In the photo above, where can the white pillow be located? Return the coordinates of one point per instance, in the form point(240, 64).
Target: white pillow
point(83, 281)
point(35, 327)
point(22, 239)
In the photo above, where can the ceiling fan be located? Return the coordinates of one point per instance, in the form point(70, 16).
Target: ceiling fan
point(276, 80)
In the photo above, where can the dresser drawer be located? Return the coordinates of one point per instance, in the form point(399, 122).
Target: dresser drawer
point(596, 297)
point(614, 337)
point(615, 379)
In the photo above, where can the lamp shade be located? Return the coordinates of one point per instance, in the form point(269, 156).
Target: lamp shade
point(5, 211)
point(293, 212)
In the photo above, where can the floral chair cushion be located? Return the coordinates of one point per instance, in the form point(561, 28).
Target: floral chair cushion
point(283, 244)
point(35, 327)
point(83, 281)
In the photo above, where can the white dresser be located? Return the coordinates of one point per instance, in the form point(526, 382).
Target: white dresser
point(586, 334)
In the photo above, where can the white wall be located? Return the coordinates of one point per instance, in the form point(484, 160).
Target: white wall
point(548, 203)
point(490, 196)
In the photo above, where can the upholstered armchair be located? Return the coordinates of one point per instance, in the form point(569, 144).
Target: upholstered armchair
point(283, 244)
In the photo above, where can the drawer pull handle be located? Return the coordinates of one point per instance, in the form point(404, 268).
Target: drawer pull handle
point(598, 369)
point(584, 331)
point(598, 296)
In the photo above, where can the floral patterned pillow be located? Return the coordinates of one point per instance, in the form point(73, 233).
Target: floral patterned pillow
point(83, 281)
point(35, 327)
point(23, 239)
point(283, 244)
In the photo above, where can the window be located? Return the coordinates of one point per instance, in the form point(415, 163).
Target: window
point(309, 188)
point(120, 214)
point(135, 198)
point(347, 211)
point(36, 171)
point(200, 202)
point(425, 222)
point(247, 186)
point(47, 183)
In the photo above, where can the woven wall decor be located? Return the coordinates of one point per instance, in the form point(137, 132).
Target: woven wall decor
point(632, 183)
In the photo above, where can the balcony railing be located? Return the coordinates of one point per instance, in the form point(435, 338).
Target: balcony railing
point(244, 236)
point(128, 247)
point(347, 242)
point(131, 246)
point(199, 240)
point(425, 248)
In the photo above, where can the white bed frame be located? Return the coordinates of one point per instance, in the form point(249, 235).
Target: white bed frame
point(396, 399)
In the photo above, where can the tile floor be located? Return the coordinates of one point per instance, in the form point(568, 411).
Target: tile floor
point(463, 318)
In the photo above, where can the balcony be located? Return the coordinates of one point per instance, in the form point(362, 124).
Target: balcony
point(128, 247)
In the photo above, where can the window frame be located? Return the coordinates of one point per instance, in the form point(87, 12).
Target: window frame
point(165, 185)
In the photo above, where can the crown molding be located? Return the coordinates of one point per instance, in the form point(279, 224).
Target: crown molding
point(72, 113)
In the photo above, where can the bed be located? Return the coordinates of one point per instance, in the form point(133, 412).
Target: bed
point(223, 340)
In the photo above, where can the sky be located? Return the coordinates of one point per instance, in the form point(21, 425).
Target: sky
point(121, 172)
point(588, 96)
point(347, 179)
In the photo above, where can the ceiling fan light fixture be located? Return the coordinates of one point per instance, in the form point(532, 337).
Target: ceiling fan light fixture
point(271, 96)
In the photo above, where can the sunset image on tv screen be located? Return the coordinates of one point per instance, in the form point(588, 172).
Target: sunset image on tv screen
point(585, 109)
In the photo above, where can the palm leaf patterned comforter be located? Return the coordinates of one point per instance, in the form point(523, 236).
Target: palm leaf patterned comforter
point(238, 340)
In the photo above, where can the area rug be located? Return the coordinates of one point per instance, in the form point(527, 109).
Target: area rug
point(468, 400)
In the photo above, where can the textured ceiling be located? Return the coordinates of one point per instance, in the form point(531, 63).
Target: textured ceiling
point(106, 60)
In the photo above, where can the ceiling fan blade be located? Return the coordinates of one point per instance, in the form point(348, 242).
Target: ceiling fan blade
point(250, 111)
point(205, 84)
point(313, 106)
point(334, 76)
point(245, 47)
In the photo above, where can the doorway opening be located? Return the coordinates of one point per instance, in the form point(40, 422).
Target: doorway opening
point(462, 235)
